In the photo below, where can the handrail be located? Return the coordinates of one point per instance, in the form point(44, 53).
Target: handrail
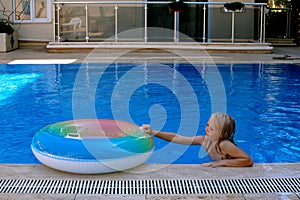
point(150, 2)
point(280, 8)
point(262, 7)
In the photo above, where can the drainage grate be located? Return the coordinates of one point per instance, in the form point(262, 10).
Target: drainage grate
point(222, 186)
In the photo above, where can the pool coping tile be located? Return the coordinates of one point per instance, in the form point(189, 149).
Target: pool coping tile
point(279, 55)
point(157, 171)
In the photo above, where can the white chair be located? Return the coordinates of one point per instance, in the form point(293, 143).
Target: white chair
point(75, 22)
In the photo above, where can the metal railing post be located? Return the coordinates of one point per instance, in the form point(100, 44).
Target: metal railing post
point(264, 26)
point(116, 22)
point(261, 23)
point(204, 24)
point(57, 24)
point(54, 24)
point(146, 23)
point(86, 24)
point(175, 26)
point(232, 27)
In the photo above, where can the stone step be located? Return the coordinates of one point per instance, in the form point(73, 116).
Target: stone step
point(141, 46)
point(281, 41)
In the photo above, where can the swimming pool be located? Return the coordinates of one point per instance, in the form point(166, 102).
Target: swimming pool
point(263, 99)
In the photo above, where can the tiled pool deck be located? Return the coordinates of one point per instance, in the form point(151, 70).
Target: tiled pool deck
point(278, 56)
point(158, 171)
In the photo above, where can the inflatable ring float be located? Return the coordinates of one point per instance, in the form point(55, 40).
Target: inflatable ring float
point(92, 146)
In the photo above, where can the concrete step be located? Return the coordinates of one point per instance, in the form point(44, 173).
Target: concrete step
point(158, 46)
point(281, 41)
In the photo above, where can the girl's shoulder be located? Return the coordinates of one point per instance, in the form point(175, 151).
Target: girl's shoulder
point(227, 148)
point(226, 143)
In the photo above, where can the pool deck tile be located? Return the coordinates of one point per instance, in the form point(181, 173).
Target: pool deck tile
point(110, 197)
point(20, 196)
point(157, 171)
point(267, 196)
point(279, 55)
point(273, 196)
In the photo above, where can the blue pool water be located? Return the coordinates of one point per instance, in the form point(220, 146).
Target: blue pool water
point(263, 99)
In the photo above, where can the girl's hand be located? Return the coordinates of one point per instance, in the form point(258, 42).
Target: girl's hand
point(147, 129)
point(212, 164)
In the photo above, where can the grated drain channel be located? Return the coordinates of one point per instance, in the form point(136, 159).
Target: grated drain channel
point(222, 186)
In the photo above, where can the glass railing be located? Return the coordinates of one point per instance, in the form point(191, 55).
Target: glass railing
point(98, 21)
point(278, 24)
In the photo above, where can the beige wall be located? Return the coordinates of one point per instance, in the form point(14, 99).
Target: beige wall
point(30, 31)
point(35, 31)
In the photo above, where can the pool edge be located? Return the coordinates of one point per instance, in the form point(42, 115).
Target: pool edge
point(158, 171)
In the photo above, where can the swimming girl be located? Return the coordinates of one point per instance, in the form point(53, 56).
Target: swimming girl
point(218, 142)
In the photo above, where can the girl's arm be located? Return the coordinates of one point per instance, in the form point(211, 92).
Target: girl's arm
point(239, 158)
point(173, 137)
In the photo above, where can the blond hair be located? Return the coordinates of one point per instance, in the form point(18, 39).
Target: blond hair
point(225, 125)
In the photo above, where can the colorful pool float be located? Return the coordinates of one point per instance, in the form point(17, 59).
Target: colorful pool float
point(92, 146)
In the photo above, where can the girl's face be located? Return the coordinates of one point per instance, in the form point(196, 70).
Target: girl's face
point(211, 130)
